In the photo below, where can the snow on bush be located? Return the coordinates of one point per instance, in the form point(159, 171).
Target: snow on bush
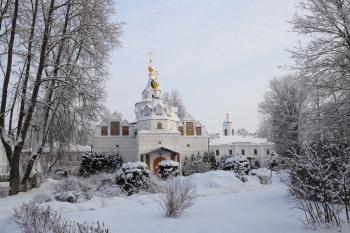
point(99, 162)
point(276, 162)
point(4, 178)
point(133, 177)
point(168, 168)
point(211, 159)
point(195, 164)
point(34, 218)
point(320, 181)
point(73, 189)
point(78, 189)
point(238, 164)
point(264, 175)
point(179, 194)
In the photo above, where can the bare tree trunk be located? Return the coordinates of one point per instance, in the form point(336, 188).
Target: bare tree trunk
point(14, 171)
point(48, 100)
point(28, 65)
point(6, 82)
point(14, 181)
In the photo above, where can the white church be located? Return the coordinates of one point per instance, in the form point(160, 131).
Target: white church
point(257, 150)
point(158, 133)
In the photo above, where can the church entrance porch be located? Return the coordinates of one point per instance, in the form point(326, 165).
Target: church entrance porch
point(152, 158)
point(155, 165)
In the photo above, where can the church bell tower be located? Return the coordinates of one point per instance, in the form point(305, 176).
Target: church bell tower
point(228, 126)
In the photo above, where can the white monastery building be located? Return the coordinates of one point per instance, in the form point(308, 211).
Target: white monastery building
point(256, 150)
point(4, 168)
point(158, 133)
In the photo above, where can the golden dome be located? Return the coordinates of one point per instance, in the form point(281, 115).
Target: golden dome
point(150, 69)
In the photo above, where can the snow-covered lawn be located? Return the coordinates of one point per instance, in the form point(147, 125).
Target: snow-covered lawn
point(224, 205)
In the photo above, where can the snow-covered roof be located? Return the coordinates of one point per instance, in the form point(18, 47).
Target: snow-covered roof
point(188, 117)
point(225, 140)
point(131, 165)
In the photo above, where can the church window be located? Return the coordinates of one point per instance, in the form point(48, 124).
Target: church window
point(230, 152)
point(255, 152)
point(104, 130)
point(226, 132)
point(148, 110)
point(188, 145)
point(189, 128)
point(243, 152)
point(125, 130)
point(181, 130)
point(159, 125)
point(199, 131)
point(233, 132)
point(115, 128)
point(159, 110)
point(267, 151)
point(217, 152)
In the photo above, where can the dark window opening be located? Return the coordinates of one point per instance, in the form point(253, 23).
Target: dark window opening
point(199, 131)
point(125, 130)
point(189, 128)
point(115, 128)
point(104, 130)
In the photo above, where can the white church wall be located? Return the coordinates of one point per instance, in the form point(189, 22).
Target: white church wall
point(151, 141)
point(262, 155)
point(192, 145)
point(125, 146)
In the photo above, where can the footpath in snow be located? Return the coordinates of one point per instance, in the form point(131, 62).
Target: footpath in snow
point(225, 204)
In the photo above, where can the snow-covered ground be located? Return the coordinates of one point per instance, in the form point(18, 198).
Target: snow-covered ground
point(225, 204)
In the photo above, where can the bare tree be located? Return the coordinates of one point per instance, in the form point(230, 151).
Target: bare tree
point(55, 58)
point(34, 218)
point(177, 197)
point(174, 99)
point(282, 110)
point(324, 59)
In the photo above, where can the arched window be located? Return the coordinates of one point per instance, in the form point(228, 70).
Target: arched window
point(225, 132)
point(159, 125)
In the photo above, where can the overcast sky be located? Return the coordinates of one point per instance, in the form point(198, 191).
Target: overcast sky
point(219, 54)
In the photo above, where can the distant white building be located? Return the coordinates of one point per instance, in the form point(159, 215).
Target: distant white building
point(257, 150)
point(158, 133)
point(4, 168)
